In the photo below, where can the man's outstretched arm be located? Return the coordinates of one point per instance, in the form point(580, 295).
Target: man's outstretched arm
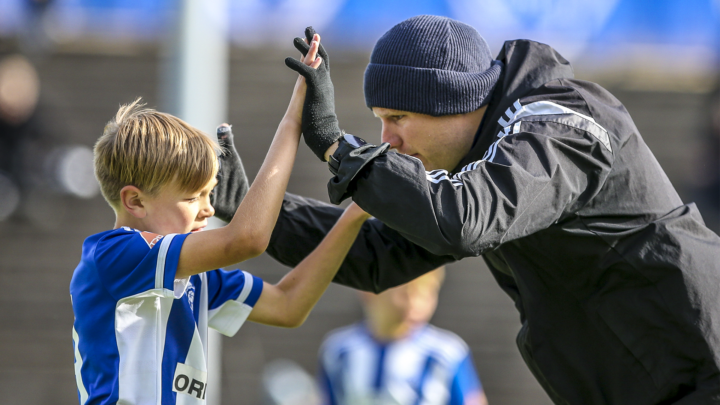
point(529, 179)
point(379, 259)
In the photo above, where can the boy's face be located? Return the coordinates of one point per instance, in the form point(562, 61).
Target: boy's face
point(177, 211)
point(414, 302)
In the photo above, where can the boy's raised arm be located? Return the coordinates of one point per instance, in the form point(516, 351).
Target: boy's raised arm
point(248, 234)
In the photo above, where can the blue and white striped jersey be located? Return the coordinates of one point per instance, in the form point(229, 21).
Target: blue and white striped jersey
point(140, 335)
point(430, 366)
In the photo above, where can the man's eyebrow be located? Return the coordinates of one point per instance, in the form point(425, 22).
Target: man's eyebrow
point(386, 113)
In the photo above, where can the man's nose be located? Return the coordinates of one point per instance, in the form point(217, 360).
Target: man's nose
point(390, 136)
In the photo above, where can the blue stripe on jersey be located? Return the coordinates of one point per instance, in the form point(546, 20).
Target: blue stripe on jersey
point(341, 375)
point(423, 377)
point(380, 368)
point(326, 386)
point(254, 292)
point(182, 324)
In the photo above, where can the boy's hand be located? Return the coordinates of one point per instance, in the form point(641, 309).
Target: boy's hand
point(320, 126)
point(232, 182)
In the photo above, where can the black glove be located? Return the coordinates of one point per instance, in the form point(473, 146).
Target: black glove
point(232, 182)
point(320, 126)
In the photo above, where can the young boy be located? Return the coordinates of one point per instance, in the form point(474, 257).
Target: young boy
point(146, 291)
point(395, 356)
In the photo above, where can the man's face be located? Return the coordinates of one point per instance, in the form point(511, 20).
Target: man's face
point(176, 211)
point(439, 142)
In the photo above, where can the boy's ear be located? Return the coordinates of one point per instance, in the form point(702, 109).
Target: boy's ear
point(131, 201)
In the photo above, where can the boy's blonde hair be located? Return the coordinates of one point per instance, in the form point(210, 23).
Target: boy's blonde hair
point(149, 149)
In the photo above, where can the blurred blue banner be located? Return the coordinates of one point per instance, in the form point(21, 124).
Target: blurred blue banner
point(570, 25)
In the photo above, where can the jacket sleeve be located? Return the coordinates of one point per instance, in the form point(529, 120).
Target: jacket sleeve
point(539, 171)
point(379, 259)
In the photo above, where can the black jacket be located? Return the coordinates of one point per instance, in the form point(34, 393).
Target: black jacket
point(616, 281)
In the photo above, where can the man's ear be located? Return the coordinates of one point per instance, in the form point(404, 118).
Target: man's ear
point(131, 200)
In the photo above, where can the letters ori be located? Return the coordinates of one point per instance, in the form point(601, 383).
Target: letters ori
point(190, 381)
point(189, 386)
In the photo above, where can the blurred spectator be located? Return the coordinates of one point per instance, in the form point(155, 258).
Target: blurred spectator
point(395, 356)
point(33, 159)
point(19, 91)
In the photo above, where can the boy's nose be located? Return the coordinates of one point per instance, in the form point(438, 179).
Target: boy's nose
point(208, 211)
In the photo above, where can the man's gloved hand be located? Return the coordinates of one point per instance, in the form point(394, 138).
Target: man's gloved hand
point(232, 182)
point(320, 126)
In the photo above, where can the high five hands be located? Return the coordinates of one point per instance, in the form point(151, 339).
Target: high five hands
point(320, 126)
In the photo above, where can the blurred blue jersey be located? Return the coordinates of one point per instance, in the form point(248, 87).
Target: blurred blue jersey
point(140, 335)
point(430, 366)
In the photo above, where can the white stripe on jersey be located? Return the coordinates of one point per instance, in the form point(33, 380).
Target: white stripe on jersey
point(140, 327)
point(196, 359)
point(246, 288)
point(140, 335)
point(162, 254)
point(78, 367)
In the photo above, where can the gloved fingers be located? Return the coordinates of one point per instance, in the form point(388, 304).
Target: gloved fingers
point(300, 67)
point(301, 45)
point(309, 36)
point(323, 54)
point(225, 137)
point(309, 33)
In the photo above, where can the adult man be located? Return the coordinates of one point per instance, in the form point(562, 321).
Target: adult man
point(547, 177)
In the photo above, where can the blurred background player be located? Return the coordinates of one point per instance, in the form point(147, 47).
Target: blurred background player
point(395, 357)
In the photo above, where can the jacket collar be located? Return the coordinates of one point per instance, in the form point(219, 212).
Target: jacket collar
point(527, 66)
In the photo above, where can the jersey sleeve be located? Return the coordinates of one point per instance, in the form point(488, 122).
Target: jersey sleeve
point(231, 297)
point(465, 383)
point(131, 262)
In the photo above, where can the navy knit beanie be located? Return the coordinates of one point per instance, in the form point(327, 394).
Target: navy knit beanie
point(431, 65)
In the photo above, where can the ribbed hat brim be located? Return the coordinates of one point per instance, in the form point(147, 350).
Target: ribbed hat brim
point(428, 91)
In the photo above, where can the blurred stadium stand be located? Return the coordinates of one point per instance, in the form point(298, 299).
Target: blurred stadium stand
point(658, 58)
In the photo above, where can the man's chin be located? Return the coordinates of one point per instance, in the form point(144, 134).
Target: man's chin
point(422, 160)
